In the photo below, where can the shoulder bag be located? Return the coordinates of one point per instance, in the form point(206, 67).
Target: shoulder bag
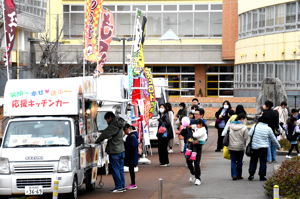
point(249, 150)
point(226, 139)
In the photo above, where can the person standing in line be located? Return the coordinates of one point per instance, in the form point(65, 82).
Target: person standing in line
point(180, 137)
point(171, 118)
point(274, 125)
point(293, 133)
point(238, 136)
point(182, 112)
point(261, 133)
point(222, 117)
point(163, 142)
point(231, 119)
point(131, 153)
point(115, 149)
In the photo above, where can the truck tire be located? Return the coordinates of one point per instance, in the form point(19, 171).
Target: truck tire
point(74, 193)
point(90, 187)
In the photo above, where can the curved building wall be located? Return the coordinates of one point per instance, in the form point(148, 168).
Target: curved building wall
point(268, 46)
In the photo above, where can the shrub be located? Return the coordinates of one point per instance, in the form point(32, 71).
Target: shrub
point(287, 177)
point(286, 145)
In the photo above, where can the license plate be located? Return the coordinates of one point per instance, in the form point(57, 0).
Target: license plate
point(33, 190)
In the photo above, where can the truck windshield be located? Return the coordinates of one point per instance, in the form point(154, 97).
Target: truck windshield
point(38, 133)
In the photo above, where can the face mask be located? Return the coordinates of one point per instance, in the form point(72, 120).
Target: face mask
point(181, 108)
point(161, 110)
point(193, 111)
point(226, 106)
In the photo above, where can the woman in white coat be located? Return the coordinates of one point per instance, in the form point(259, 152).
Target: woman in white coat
point(171, 118)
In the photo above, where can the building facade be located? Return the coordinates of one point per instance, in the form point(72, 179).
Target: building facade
point(268, 46)
point(193, 63)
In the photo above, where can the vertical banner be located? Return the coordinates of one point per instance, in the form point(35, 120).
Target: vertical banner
point(130, 81)
point(141, 54)
point(10, 19)
point(93, 10)
point(144, 126)
point(149, 94)
point(136, 46)
point(106, 34)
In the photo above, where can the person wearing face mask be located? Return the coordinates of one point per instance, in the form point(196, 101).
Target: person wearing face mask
point(222, 117)
point(163, 142)
point(238, 136)
point(195, 105)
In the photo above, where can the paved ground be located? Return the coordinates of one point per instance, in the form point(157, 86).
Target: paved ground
point(216, 180)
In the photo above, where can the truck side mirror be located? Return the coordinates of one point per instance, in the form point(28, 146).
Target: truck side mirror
point(79, 140)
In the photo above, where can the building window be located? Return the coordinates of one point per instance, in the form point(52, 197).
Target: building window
point(219, 81)
point(181, 79)
point(73, 21)
point(290, 18)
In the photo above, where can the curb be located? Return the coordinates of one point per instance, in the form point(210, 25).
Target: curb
point(283, 153)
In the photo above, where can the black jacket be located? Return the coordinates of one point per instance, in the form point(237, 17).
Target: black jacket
point(164, 118)
point(226, 117)
point(273, 118)
point(131, 153)
point(181, 113)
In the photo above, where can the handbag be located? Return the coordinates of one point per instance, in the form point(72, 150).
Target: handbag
point(226, 153)
point(226, 139)
point(218, 120)
point(249, 150)
point(163, 129)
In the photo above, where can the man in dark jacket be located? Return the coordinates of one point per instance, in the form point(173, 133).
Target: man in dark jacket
point(115, 149)
point(273, 115)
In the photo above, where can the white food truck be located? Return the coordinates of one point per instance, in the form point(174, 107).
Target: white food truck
point(50, 137)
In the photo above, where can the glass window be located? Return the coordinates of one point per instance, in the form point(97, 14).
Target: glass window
point(249, 71)
point(240, 24)
point(298, 70)
point(188, 69)
point(154, 8)
point(123, 24)
point(187, 77)
point(174, 93)
point(279, 17)
point(226, 69)
point(66, 8)
point(290, 16)
point(188, 92)
point(212, 78)
point(170, 7)
point(254, 21)
point(174, 77)
point(226, 77)
point(173, 69)
point(249, 17)
point(212, 85)
point(216, 24)
point(109, 7)
point(216, 7)
point(270, 70)
point(170, 22)
point(201, 7)
point(254, 72)
point(66, 24)
point(188, 85)
point(290, 71)
point(77, 24)
point(174, 85)
point(279, 70)
point(212, 92)
point(77, 8)
point(261, 20)
point(154, 25)
point(159, 69)
point(261, 68)
point(140, 7)
point(123, 8)
point(201, 24)
point(185, 24)
point(226, 85)
point(226, 92)
point(212, 69)
point(270, 18)
point(185, 7)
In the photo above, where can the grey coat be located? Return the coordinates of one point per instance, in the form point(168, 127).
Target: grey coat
point(238, 136)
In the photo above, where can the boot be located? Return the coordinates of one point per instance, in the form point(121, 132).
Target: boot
point(193, 156)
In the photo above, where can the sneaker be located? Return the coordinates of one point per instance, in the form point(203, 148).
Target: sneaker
point(240, 178)
point(288, 156)
point(192, 178)
point(163, 165)
point(269, 162)
point(170, 151)
point(274, 161)
point(217, 150)
point(124, 188)
point(197, 182)
point(251, 178)
point(262, 178)
point(131, 186)
point(234, 178)
point(116, 191)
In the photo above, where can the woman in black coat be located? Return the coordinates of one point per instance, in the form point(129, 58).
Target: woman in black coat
point(163, 141)
point(222, 117)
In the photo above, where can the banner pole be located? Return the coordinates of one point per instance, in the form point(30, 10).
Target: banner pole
point(6, 61)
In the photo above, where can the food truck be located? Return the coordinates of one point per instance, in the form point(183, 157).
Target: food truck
point(50, 137)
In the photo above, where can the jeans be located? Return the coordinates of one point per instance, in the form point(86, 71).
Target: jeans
point(236, 163)
point(117, 164)
point(184, 148)
point(220, 139)
point(262, 154)
point(271, 152)
point(195, 170)
point(163, 151)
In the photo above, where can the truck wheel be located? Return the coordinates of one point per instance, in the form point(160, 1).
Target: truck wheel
point(90, 186)
point(74, 193)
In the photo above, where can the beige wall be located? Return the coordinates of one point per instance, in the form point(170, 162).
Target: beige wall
point(247, 5)
point(276, 47)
